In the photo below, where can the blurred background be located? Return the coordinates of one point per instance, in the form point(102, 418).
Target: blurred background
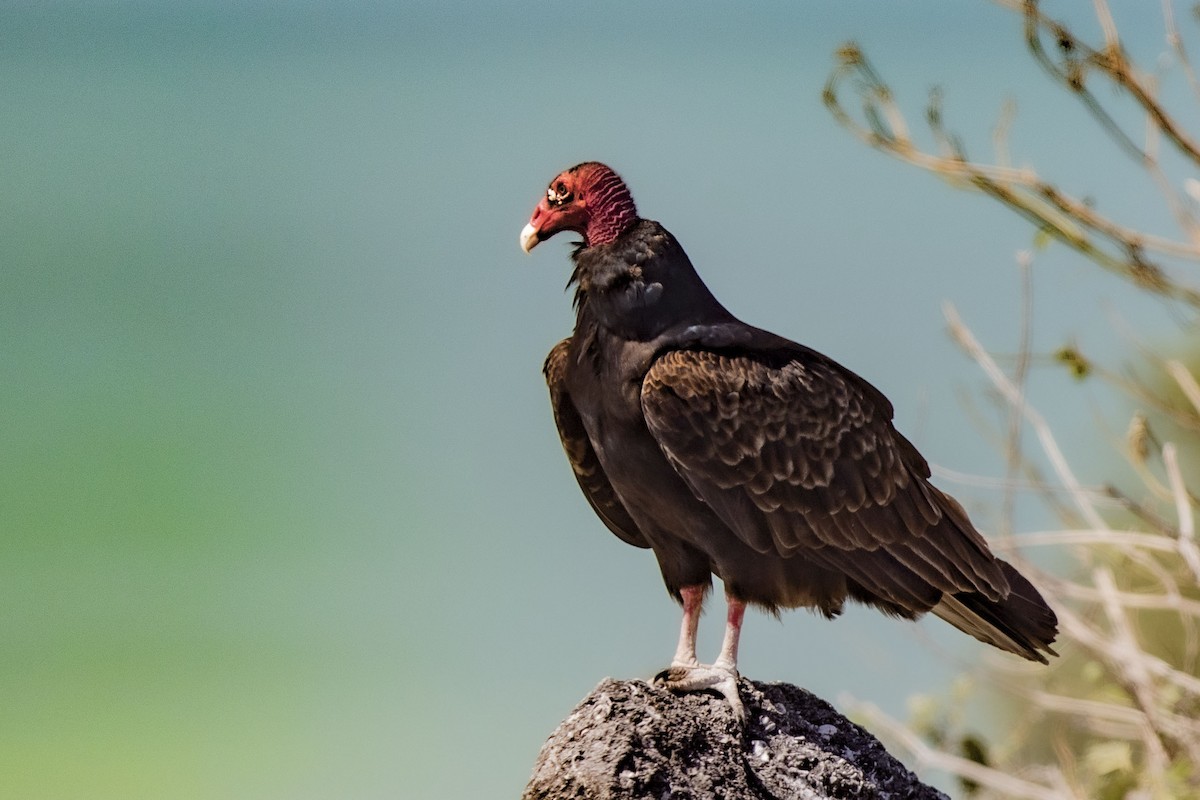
point(283, 513)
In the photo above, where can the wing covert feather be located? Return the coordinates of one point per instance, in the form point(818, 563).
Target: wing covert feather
point(796, 456)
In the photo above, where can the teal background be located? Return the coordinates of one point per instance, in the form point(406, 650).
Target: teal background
point(283, 511)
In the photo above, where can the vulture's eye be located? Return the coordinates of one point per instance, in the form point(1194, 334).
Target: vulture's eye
point(558, 194)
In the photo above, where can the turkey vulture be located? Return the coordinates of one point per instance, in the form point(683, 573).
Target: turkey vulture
point(730, 451)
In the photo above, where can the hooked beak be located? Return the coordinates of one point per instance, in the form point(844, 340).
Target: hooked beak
point(529, 237)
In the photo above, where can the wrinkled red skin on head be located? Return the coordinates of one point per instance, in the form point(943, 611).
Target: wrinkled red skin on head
point(549, 220)
point(598, 205)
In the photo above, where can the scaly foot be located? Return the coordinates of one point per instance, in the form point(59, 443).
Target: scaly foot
point(698, 677)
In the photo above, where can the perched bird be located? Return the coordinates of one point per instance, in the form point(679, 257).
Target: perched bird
point(730, 451)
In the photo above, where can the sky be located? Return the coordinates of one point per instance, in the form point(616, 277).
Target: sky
point(284, 511)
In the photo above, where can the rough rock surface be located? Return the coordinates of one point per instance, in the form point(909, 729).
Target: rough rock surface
point(629, 739)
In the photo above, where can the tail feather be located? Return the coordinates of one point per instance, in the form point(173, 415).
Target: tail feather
point(1020, 623)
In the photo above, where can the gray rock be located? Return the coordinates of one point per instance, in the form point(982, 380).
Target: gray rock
point(630, 739)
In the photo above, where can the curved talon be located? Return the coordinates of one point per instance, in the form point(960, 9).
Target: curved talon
point(676, 677)
point(687, 678)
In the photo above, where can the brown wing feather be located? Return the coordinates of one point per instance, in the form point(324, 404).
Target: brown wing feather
point(824, 472)
point(584, 463)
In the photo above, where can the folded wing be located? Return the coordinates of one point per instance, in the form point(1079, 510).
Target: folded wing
point(584, 463)
point(799, 457)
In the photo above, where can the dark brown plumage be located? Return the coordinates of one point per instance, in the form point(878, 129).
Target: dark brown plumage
point(731, 451)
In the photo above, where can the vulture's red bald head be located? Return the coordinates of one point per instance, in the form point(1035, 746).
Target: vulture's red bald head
point(589, 199)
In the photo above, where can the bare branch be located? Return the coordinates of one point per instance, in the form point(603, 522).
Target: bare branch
point(1119, 710)
point(1012, 446)
point(1078, 58)
point(1115, 247)
point(1008, 785)
point(1177, 46)
point(1183, 508)
point(967, 341)
point(1187, 382)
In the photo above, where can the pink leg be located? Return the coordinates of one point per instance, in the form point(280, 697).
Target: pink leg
point(693, 602)
point(686, 674)
point(736, 610)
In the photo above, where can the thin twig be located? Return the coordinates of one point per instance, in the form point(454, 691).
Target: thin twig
point(1009, 785)
point(1171, 601)
point(1101, 495)
point(1050, 447)
point(1176, 43)
point(1087, 537)
point(1012, 448)
point(1110, 62)
point(1183, 509)
point(1126, 659)
point(1187, 382)
point(1099, 644)
point(1114, 247)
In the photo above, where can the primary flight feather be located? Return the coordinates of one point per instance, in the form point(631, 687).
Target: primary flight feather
point(730, 451)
